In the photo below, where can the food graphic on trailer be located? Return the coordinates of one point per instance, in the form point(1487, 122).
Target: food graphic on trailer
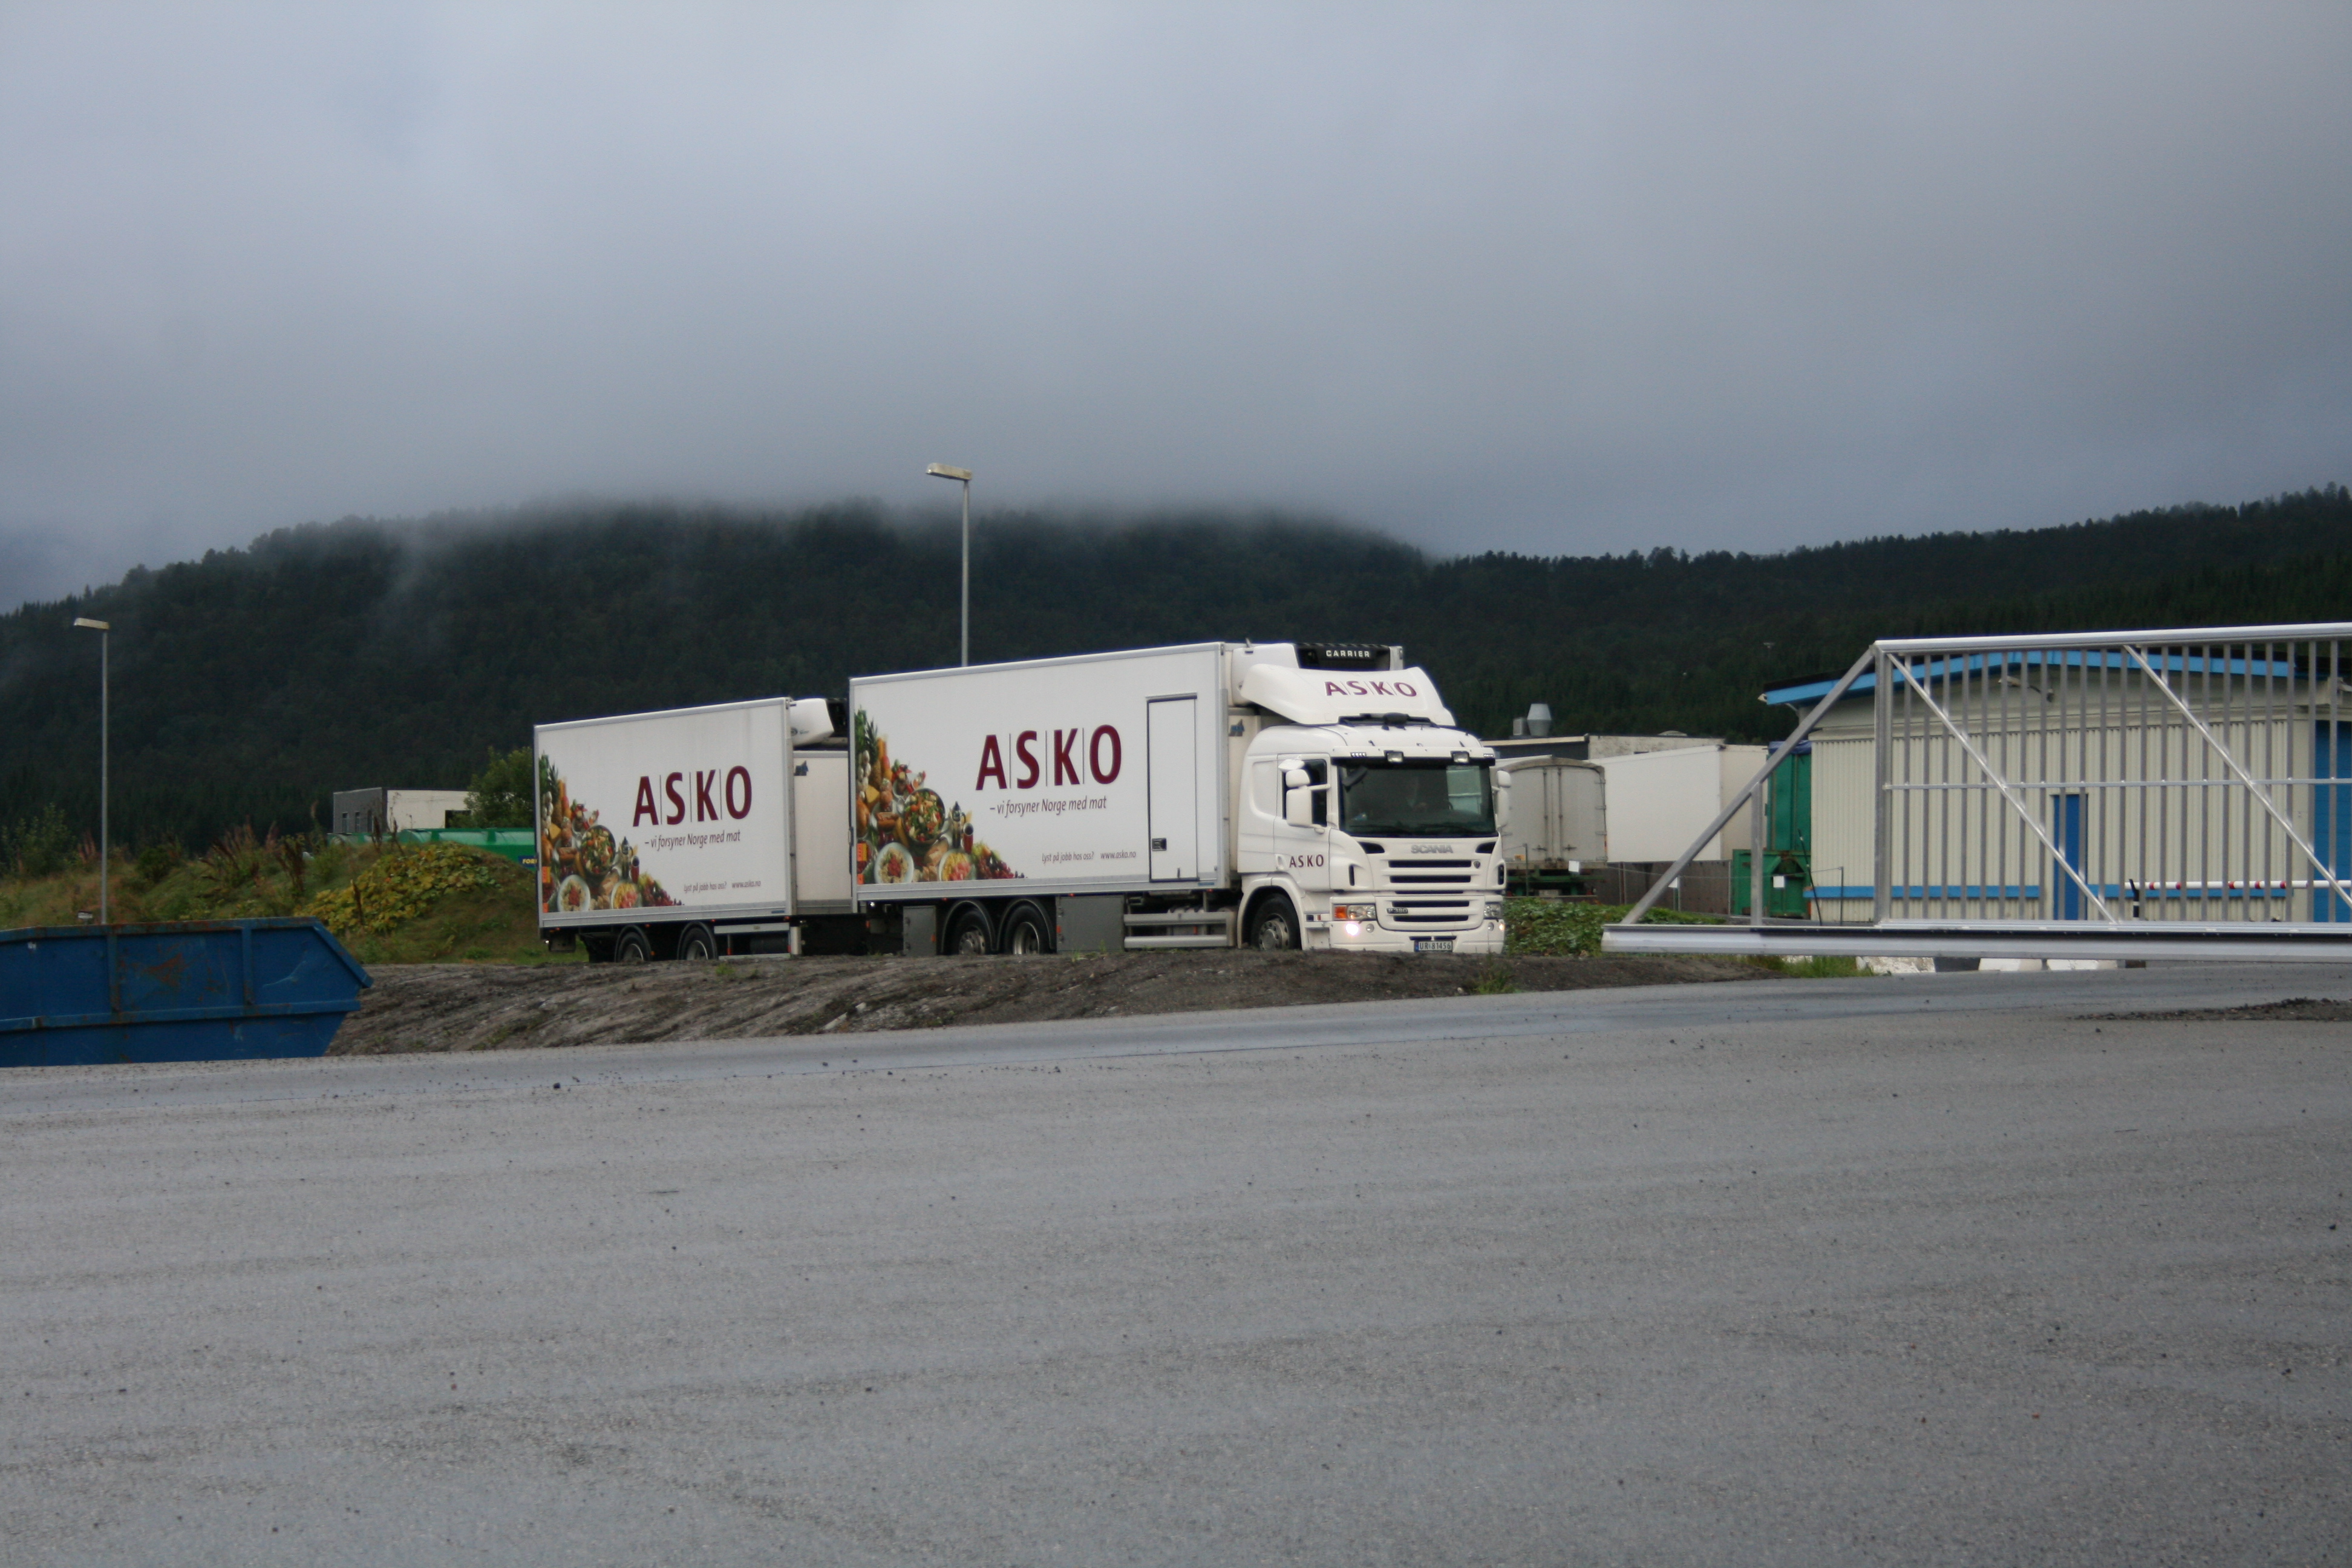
point(582, 866)
point(906, 833)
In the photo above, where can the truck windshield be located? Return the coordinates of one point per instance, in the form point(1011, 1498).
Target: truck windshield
point(1408, 798)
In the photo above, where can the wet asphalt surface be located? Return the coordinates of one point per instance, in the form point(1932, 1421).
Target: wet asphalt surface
point(1923, 1270)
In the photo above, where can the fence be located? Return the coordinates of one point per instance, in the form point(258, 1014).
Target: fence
point(2183, 791)
point(1705, 890)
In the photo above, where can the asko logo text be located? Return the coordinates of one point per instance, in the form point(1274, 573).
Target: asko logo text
point(1371, 688)
point(735, 795)
point(1103, 755)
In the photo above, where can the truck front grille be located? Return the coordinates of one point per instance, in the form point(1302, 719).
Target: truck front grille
point(1431, 873)
point(1424, 914)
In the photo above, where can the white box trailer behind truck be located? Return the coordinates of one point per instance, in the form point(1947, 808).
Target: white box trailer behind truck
point(695, 832)
point(1277, 794)
point(1558, 822)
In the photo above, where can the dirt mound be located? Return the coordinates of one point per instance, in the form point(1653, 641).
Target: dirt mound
point(464, 1006)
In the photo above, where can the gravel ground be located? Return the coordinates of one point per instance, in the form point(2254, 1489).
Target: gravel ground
point(2293, 1010)
point(1839, 1274)
point(465, 1006)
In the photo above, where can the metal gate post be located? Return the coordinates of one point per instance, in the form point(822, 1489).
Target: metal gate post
point(1756, 851)
point(1882, 792)
point(1643, 905)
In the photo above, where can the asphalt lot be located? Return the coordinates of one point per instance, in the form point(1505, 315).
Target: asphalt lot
point(1924, 1270)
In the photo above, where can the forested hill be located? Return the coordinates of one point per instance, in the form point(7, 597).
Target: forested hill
point(250, 684)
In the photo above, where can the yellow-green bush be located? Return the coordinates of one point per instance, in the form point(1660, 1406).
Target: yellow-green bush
point(400, 887)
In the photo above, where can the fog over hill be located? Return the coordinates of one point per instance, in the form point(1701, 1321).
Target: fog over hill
point(251, 683)
point(1554, 278)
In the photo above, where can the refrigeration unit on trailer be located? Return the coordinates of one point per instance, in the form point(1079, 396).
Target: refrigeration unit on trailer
point(695, 832)
point(1278, 794)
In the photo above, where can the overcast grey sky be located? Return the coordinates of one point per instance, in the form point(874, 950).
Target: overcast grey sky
point(1546, 278)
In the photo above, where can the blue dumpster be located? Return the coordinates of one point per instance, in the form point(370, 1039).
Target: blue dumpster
point(197, 991)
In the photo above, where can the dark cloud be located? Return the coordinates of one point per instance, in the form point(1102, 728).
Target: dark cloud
point(1541, 278)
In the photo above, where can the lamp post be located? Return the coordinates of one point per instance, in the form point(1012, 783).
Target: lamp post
point(101, 628)
point(943, 471)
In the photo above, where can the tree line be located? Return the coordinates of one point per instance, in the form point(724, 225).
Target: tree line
point(250, 684)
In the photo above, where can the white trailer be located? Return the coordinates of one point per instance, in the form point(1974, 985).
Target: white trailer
point(1658, 799)
point(695, 832)
point(1274, 793)
point(1558, 820)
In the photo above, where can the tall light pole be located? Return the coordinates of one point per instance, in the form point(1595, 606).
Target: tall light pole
point(102, 629)
point(941, 471)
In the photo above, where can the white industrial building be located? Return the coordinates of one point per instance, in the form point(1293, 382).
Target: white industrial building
point(369, 812)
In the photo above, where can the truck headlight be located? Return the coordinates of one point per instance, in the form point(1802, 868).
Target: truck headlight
point(1355, 911)
point(1494, 909)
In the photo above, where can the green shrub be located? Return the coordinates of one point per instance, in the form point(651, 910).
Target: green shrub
point(1558, 927)
point(500, 795)
point(38, 844)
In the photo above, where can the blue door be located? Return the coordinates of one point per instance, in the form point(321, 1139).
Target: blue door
point(2331, 825)
point(2066, 828)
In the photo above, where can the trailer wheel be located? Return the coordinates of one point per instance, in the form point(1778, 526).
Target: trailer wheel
point(967, 933)
point(1274, 924)
point(630, 947)
point(1027, 932)
point(697, 943)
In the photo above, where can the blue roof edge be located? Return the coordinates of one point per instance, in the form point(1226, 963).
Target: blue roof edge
point(2026, 658)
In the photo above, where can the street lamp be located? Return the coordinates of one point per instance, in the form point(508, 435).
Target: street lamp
point(943, 471)
point(101, 628)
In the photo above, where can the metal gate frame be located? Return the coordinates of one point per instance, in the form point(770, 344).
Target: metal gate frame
point(1966, 728)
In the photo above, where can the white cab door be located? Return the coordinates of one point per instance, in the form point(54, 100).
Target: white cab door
point(1172, 736)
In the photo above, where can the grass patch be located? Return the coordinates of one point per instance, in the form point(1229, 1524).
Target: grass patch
point(1814, 968)
point(1496, 979)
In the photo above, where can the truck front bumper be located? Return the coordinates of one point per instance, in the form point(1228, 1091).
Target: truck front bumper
point(1367, 936)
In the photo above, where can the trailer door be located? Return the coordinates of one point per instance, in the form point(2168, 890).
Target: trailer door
point(1171, 737)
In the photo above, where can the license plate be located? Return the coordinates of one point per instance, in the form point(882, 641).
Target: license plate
point(1432, 944)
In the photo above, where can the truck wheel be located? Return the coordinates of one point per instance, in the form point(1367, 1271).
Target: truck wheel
point(1025, 931)
point(1274, 924)
point(967, 934)
point(630, 947)
point(697, 943)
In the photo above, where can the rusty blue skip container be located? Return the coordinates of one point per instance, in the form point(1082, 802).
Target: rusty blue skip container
point(201, 991)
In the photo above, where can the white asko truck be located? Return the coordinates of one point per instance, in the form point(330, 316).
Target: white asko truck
point(1276, 794)
point(696, 832)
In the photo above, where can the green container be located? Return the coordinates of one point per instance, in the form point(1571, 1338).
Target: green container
point(1787, 878)
point(1788, 805)
point(1789, 854)
point(520, 845)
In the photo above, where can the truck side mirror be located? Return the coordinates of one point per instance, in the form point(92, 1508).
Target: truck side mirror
point(1295, 778)
point(1298, 805)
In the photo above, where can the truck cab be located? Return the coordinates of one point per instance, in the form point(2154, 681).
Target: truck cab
point(1364, 820)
